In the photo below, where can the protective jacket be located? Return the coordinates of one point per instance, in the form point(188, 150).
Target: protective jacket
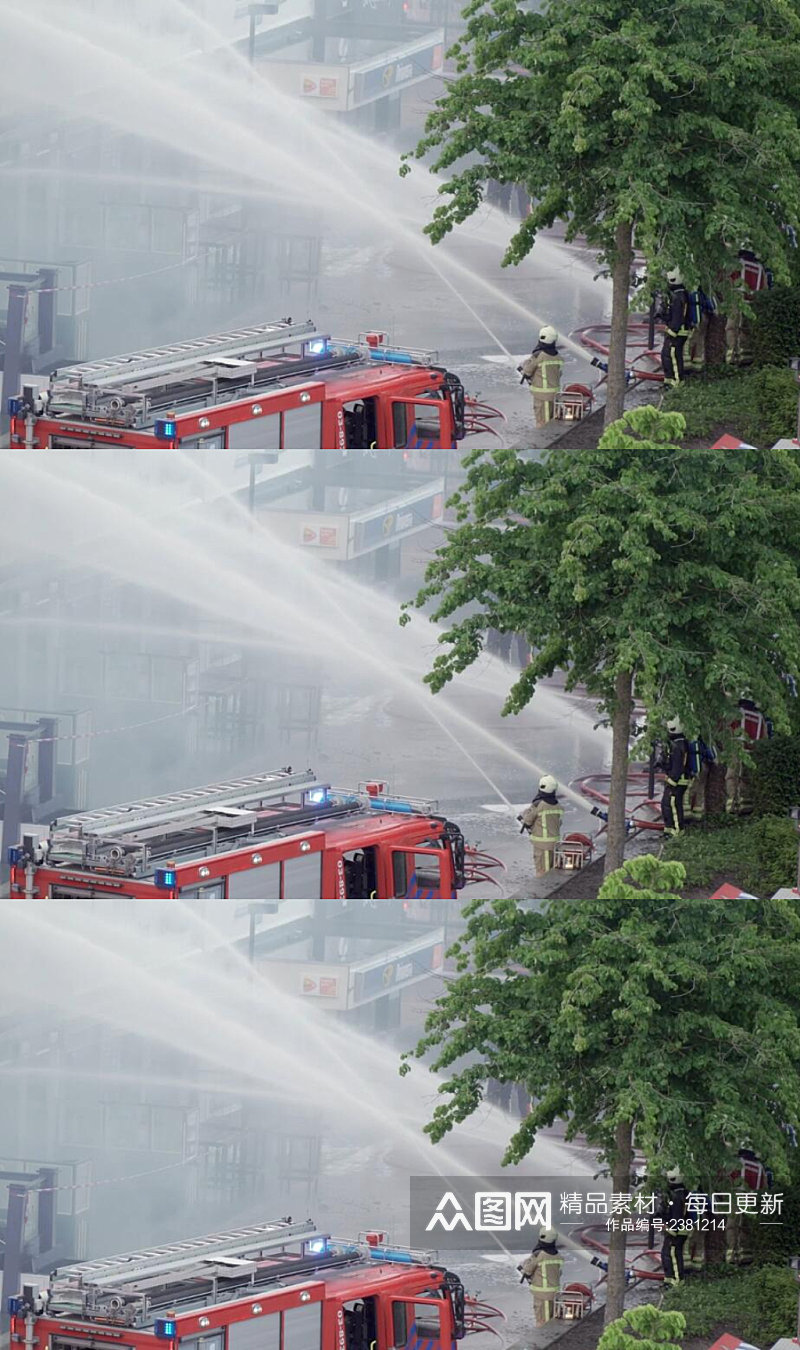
point(543, 1269)
point(543, 820)
point(678, 762)
point(542, 370)
point(678, 312)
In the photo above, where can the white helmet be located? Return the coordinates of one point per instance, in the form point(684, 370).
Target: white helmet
point(674, 1176)
point(548, 783)
point(548, 1235)
point(674, 727)
point(548, 335)
point(675, 277)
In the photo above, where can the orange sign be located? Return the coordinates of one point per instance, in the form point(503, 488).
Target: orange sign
point(321, 986)
point(325, 87)
point(320, 536)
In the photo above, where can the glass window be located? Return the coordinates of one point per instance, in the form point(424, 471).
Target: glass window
point(128, 227)
point(257, 433)
point(302, 879)
point(203, 1342)
point(167, 1126)
point(259, 1333)
point(302, 427)
point(427, 1321)
point(215, 442)
point(415, 1321)
point(81, 674)
point(127, 675)
point(416, 424)
point(427, 422)
point(416, 872)
point(168, 680)
point(127, 1126)
point(257, 883)
point(399, 424)
point(167, 230)
point(301, 1327)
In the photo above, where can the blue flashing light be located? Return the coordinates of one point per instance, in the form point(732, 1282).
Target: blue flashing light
point(165, 429)
point(318, 347)
point(392, 804)
point(14, 406)
point(165, 878)
point(394, 1254)
point(317, 1247)
point(14, 855)
point(317, 796)
point(166, 1328)
point(14, 1305)
point(394, 358)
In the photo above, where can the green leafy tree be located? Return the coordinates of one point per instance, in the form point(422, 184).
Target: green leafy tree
point(645, 428)
point(674, 129)
point(673, 1027)
point(644, 878)
point(671, 575)
point(644, 1328)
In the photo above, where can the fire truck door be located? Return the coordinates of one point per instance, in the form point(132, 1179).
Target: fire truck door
point(361, 1324)
point(417, 873)
point(361, 874)
point(361, 424)
point(417, 425)
point(420, 1324)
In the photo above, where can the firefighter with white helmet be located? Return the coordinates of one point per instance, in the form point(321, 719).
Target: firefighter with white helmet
point(543, 1270)
point(677, 780)
point(542, 820)
point(678, 328)
point(542, 370)
point(676, 1228)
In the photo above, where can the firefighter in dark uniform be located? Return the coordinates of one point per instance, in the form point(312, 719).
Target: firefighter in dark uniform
point(677, 766)
point(676, 1229)
point(677, 329)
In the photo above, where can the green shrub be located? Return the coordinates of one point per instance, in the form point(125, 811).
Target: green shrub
point(776, 775)
point(758, 854)
point(775, 326)
point(759, 1305)
point(758, 405)
point(644, 1328)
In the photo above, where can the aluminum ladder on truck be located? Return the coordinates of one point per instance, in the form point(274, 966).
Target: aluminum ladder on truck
point(174, 806)
point(115, 1271)
point(147, 364)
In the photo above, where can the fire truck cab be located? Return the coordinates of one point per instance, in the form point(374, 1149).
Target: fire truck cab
point(273, 1286)
point(274, 386)
point(274, 836)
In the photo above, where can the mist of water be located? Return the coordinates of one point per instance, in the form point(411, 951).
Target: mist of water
point(161, 976)
point(201, 111)
point(90, 512)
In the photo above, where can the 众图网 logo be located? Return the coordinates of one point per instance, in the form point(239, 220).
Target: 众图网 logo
point(493, 1212)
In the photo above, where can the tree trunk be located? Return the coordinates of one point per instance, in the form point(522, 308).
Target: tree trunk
point(621, 1178)
point(621, 288)
point(621, 729)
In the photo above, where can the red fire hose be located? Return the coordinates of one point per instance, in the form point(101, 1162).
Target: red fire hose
point(585, 1235)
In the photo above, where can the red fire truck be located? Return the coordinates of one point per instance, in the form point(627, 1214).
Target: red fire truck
point(273, 1286)
point(273, 836)
point(274, 386)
